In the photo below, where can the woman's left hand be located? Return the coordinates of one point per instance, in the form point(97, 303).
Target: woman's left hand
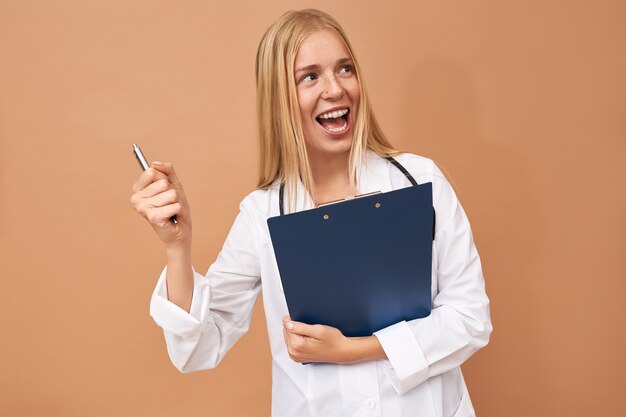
point(319, 343)
point(316, 343)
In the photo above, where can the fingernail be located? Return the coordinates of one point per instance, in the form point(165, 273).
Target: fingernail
point(289, 325)
point(157, 163)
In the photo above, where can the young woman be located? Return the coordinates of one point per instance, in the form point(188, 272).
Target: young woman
point(318, 137)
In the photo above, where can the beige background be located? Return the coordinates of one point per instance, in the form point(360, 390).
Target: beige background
point(523, 103)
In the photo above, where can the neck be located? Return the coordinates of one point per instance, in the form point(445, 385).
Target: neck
point(331, 178)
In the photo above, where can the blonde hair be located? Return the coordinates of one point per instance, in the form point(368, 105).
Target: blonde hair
point(282, 150)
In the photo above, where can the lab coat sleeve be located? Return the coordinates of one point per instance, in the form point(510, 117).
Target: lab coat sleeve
point(459, 323)
point(222, 303)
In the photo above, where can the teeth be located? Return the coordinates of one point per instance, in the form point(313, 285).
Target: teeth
point(333, 114)
point(339, 129)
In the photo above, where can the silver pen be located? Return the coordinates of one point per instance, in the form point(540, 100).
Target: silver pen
point(145, 165)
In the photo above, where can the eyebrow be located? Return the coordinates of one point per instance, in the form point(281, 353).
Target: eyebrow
point(316, 66)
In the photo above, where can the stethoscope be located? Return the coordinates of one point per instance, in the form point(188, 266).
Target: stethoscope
point(397, 164)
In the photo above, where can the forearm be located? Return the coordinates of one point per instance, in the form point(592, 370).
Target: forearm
point(179, 276)
point(366, 349)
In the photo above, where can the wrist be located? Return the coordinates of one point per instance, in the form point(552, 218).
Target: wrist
point(365, 349)
point(178, 253)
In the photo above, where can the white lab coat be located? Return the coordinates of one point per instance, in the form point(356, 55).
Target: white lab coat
point(422, 376)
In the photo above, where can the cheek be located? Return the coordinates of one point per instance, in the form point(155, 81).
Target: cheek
point(306, 110)
point(353, 88)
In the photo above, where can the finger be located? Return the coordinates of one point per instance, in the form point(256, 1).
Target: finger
point(168, 169)
point(296, 346)
point(162, 199)
point(156, 194)
point(147, 177)
point(160, 216)
point(289, 343)
point(303, 329)
point(155, 188)
point(294, 341)
point(286, 337)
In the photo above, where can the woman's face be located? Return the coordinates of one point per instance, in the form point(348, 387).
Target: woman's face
point(328, 94)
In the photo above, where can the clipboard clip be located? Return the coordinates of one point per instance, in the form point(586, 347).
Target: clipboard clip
point(350, 197)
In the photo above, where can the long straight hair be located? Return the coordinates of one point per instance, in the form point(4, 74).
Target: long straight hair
point(282, 150)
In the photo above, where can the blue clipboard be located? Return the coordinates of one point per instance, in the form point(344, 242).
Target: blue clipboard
point(358, 265)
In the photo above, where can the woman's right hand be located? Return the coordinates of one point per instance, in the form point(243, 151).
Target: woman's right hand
point(157, 196)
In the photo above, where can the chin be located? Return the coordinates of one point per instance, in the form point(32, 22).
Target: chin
point(332, 149)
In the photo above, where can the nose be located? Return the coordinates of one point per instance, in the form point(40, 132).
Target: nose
point(332, 89)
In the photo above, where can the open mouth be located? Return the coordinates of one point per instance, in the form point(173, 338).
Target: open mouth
point(334, 122)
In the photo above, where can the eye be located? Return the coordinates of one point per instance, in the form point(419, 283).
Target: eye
point(346, 69)
point(309, 77)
